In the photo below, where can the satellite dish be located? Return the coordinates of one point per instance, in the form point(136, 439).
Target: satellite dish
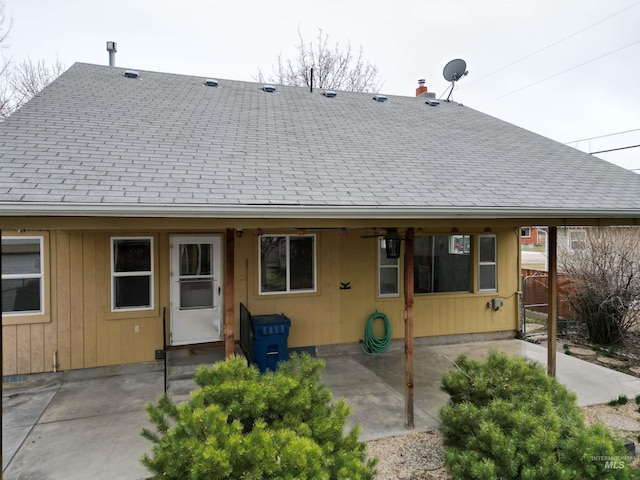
point(454, 71)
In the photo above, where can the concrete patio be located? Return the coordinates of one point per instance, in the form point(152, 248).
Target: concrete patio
point(86, 424)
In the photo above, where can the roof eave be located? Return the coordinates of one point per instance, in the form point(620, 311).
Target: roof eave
point(301, 211)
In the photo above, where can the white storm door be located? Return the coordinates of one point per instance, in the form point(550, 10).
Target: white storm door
point(196, 289)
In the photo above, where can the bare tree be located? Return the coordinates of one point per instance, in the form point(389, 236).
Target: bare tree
point(20, 82)
point(605, 270)
point(334, 67)
point(5, 28)
point(29, 77)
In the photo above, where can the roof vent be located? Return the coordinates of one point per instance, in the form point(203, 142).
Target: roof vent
point(432, 102)
point(329, 93)
point(210, 82)
point(380, 98)
point(131, 74)
point(269, 88)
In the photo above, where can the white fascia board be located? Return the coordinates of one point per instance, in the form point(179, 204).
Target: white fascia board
point(299, 211)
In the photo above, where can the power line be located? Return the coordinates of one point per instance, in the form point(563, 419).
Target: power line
point(614, 149)
point(468, 84)
point(563, 71)
point(602, 136)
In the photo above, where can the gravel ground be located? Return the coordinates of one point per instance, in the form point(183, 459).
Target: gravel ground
point(418, 455)
point(414, 456)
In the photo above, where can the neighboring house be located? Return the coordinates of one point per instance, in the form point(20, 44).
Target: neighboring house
point(126, 200)
point(533, 237)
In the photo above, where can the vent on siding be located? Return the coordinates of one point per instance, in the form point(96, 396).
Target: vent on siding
point(131, 74)
point(329, 93)
point(380, 98)
point(210, 82)
point(269, 88)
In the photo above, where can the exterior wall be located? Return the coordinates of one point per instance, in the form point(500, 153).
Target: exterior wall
point(79, 325)
point(339, 316)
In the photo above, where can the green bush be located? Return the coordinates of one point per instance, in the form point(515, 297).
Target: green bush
point(243, 425)
point(508, 419)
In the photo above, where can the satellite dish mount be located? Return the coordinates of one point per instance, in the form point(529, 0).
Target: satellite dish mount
point(454, 71)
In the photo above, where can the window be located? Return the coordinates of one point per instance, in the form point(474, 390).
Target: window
point(132, 273)
point(487, 262)
point(22, 275)
point(388, 273)
point(442, 263)
point(577, 239)
point(287, 264)
point(525, 232)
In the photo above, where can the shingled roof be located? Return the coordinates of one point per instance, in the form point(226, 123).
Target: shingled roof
point(98, 143)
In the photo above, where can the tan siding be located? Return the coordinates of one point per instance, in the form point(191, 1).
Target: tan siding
point(64, 301)
point(89, 308)
point(77, 299)
point(102, 299)
point(10, 350)
point(51, 329)
point(23, 340)
point(37, 348)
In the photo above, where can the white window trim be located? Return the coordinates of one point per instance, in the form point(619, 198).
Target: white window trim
point(40, 275)
point(494, 263)
point(525, 236)
point(132, 274)
point(381, 251)
point(288, 290)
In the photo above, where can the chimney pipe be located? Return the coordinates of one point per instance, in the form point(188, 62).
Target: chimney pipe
point(422, 88)
point(112, 48)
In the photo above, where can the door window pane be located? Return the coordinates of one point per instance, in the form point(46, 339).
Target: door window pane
point(196, 294)
point(195, 259)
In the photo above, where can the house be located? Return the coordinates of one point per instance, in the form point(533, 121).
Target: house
point(131, 200)
point(531, 236)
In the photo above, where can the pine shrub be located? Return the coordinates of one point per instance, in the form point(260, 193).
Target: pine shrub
point(507, 419)
point(243, 425)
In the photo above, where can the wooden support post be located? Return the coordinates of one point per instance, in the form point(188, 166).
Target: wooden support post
point(229, 279)
point(408, 329)
point(552, 313)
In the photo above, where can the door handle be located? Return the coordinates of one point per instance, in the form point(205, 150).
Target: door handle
point(219, 290)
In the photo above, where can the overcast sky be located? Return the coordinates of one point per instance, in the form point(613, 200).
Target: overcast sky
point(585, 84)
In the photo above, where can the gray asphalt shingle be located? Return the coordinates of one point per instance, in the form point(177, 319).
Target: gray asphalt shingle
point(95, 137)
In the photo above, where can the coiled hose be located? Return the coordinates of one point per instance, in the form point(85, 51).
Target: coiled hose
point(373, 345)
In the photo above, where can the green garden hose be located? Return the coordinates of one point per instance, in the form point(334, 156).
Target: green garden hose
point(372, 344)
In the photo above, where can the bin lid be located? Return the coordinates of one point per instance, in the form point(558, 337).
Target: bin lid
point(273, 318)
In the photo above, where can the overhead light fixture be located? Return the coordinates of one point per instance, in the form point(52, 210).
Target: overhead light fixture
point(488, 230)
point(239, 233)
point(258, 232)
point(392, 243)
point(343, 232)
point(455, 230)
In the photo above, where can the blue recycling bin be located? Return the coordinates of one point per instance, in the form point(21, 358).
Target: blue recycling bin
point(270, 334)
